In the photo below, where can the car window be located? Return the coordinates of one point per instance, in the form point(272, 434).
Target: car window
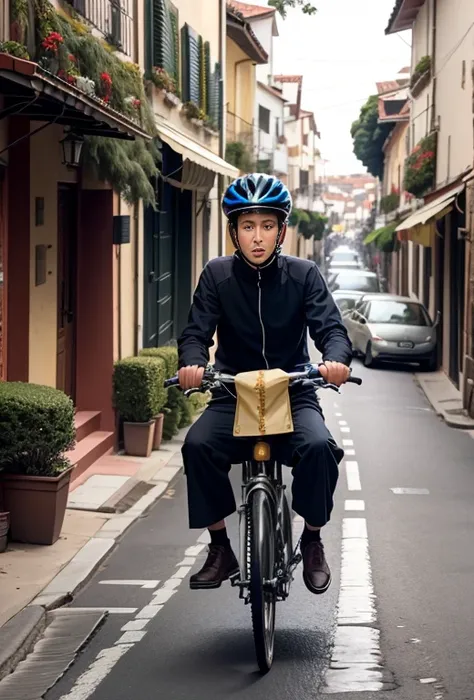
point(344, 257)
point(398, 312)
point(345, 304)
point(356, 283)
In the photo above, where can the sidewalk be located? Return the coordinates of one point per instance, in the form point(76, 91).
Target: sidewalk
point(103, 503)
point(445, 399)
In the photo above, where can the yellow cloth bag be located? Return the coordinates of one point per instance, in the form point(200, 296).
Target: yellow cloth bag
point(263, 404)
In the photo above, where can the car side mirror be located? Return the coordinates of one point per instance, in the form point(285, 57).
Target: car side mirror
point(437, 319)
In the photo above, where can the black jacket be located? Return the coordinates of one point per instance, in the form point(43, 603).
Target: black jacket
point(262, 318)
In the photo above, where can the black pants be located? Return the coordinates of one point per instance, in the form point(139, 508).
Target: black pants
point(210, 449)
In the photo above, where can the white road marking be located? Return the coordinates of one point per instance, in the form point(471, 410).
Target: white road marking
point(172, 583)
point(182, 572)
point(162, 596)
point(353, 478)
point(187, 561)
point(204, 538)
point(345, 430)
point(347, 443)
point(342, 422)
point(354, 505)
point(338, 415)
point(130, 582)
point(356, 658)
point(349, 453)
point(195, 550)
point(134, 626)
point(428, 680)
point(131, 637)
point(87, 683)
point(148, 612)
point(111, 611)
point(400, 491)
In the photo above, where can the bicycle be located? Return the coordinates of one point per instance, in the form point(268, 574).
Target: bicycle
point(267, 557)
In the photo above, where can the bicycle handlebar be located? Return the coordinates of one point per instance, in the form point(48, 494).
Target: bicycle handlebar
point(213, 379)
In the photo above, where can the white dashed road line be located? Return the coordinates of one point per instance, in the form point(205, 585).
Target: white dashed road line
point(356, 658)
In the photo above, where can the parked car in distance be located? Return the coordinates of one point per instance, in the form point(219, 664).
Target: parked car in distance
point(393, 328)
point(346, 300)
point(342, 254)
point(334, 267)
point(353, 280)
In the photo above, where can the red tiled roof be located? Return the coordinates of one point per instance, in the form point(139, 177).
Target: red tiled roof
point(272, 90)
point(288, 79)
point(249, 11)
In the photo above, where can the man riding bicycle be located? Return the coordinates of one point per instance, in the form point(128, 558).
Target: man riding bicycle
point(262, 304)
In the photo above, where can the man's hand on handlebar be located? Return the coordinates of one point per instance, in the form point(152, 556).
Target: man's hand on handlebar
point(334, 372)
point(190, 377)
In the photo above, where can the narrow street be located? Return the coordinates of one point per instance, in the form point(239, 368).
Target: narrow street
point(197, 645)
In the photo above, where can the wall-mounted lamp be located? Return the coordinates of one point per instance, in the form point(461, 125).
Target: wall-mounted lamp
point(72, 145)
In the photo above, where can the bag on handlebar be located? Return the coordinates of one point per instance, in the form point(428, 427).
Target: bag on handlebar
point(263, 404)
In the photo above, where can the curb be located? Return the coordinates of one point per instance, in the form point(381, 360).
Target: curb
point(21, 632)
point(459, 422)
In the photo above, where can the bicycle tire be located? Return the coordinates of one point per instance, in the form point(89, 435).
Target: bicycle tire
point(262, 565)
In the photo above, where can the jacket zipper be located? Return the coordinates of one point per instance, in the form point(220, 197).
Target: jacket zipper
point(261, 319)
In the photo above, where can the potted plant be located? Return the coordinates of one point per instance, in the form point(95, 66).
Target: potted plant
point(194, 113)
point(36, 429)
point(169, 356)
point(138, 397)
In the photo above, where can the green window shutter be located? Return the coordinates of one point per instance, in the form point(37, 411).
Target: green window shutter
point(206, 78)
point(165, 49)
point(191, 65)
point(215, 100)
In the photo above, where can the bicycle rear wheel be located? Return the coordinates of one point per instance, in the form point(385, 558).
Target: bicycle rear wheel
point(262, 567)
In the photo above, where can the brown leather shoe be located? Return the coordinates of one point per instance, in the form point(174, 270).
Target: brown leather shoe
point(219, 566)
point(316, 572)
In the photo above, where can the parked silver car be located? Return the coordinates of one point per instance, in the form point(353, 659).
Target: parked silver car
point(394, 328)
point(346, 300)
point(354, 280)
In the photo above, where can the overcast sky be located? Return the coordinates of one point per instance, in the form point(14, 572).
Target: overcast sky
point(341, 51)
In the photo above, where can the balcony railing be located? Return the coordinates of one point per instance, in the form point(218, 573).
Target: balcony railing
point(112, 18)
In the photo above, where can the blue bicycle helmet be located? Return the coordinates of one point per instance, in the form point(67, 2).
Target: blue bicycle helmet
point(257, 191)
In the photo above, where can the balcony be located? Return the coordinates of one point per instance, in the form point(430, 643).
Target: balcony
point(112, 18)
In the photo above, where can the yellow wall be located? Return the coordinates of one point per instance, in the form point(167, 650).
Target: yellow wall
point(395, 155)
point(241, 83)
point(124, 297)
point(45, 172)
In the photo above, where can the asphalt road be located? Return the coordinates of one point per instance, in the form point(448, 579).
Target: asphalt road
point(419, 549)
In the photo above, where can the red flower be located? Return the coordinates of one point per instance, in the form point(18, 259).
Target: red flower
point(52, 42)
point(105, 77)
point(137, 103)
point(72, 58)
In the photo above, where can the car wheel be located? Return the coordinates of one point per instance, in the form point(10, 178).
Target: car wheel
point(368, 359)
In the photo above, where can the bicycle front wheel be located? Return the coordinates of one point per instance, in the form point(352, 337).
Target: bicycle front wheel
point(262, 568)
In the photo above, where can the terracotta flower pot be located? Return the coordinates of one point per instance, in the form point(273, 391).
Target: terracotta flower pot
point(138, 438)
point(158, 431)
point(37, 506)
point(4, 527)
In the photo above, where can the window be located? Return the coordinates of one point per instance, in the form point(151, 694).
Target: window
point(398, 312)
point(113, 18)
point(264, 119)
point(304, 178)
point(163, 51)
point(358, 283)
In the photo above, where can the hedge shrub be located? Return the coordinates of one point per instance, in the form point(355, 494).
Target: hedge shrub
point(36, 428)
point(166, 353)
point(138, 388)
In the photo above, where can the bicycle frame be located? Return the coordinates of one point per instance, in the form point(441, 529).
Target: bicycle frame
point(263, 473)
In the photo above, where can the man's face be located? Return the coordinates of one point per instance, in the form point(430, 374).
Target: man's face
point(257, 235)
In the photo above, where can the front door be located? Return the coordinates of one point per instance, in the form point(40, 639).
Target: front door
point(159, 269)
point(67, 256)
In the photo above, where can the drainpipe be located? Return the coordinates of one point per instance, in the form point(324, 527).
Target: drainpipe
point(136, 208)
point(433, 65)
point(220, 178)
